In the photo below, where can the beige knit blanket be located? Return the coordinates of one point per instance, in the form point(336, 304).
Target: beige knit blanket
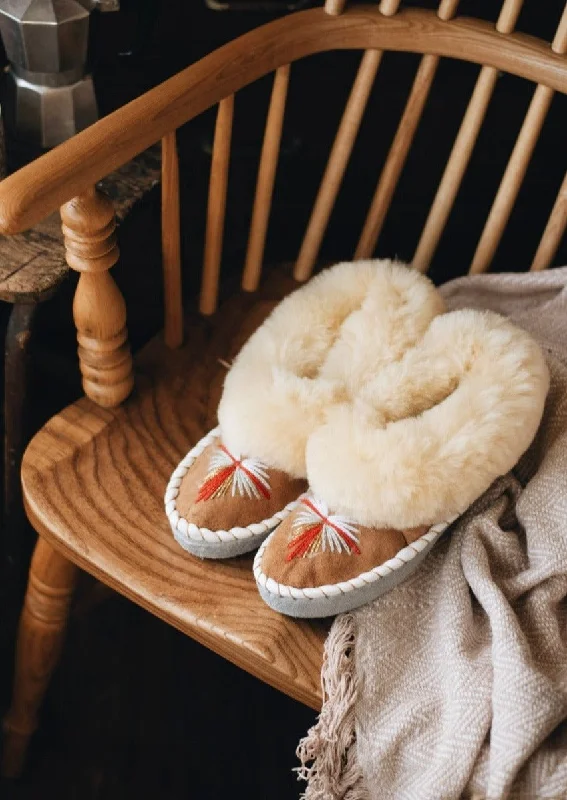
point(455, 683)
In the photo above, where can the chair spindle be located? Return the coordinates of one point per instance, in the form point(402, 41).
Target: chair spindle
point(554, 230)
point(400, 146)
point(340, 154)
point(335, 7)
point(559, 43)
point(265, 181)
point(98, 308)
point(171, 242)
point(517, 164)
point(389, 7)
point(557, 221)
point(462, 148)
point(216, 207)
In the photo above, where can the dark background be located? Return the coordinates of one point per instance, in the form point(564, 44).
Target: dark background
point(136, 710)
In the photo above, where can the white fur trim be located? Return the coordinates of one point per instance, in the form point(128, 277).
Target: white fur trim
point(185, 531)
point(344, 587)
point(430, 433)
point(317, 348)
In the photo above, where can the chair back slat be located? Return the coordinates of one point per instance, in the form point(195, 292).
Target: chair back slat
point(216, 206)
point(389, 7)
point(554, 230)
point(337, 163)
point(462, 148)
point(335, 7)
point(508, 16)
point(517, 165)
point(559, 43)
point(171, 242)
point(401, 145)
point(397, 157)
point(447, 9)
point(512, 180)
point(265, 181)
point(340, 154)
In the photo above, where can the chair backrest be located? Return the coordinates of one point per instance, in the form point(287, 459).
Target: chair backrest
point(67, 174)
point(494, 48)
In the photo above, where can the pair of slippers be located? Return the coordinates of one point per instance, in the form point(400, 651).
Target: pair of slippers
point(357, 422)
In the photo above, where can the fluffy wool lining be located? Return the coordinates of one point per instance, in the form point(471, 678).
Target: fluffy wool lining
point(317, 349)
point(429, 433)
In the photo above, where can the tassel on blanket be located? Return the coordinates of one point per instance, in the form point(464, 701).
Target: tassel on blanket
point(328, 752)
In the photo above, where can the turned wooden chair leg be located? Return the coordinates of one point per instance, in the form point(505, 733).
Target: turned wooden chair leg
point(40, 638)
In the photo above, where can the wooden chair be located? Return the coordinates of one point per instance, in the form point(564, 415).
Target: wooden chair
point(94, 476)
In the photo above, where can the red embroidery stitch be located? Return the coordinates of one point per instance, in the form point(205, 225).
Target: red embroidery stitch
point(321, 532)
point(246, 477)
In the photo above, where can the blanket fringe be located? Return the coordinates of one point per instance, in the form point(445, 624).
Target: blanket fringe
point(328, 753)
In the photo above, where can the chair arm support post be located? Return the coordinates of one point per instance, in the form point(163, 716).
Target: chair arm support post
point(99, 310)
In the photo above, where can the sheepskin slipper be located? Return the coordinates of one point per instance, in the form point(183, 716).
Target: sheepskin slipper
point(315, 350)
point(221, 505)
point(388, 472)
point(317, 564)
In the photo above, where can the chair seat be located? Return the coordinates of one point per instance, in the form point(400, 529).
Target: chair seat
point(94, 481)
point(32, 264)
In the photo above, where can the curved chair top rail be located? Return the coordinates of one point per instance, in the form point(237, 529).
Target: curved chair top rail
point(37, 190)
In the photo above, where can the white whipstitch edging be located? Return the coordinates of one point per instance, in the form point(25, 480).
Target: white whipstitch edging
point(333, 590)
point(188, 531)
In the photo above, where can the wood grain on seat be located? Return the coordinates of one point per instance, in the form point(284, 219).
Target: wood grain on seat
point(94, 481)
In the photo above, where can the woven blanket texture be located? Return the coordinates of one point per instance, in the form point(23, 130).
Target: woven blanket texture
point(454, 685)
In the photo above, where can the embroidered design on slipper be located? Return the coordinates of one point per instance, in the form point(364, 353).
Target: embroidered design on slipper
point(318, 531)
point(246, 477)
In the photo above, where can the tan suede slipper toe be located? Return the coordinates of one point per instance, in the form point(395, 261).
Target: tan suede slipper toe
point(221, 504)
point(317, 564)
